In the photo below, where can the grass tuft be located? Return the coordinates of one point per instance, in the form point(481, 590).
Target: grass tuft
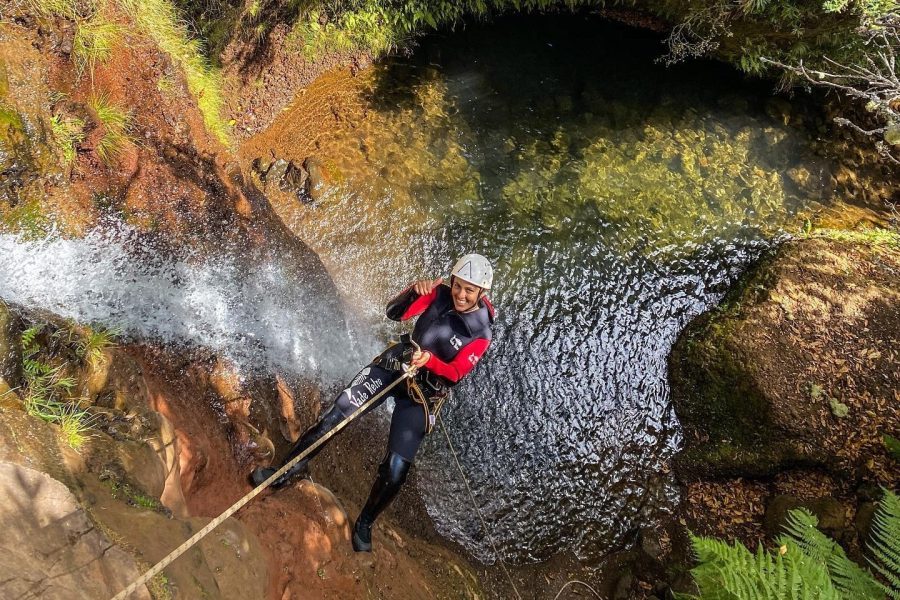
point(94, 42)
point(90, 347)
point(75, 425)
point(67, 133)
point(71, 9)
point(116, 123)
point(47, 388)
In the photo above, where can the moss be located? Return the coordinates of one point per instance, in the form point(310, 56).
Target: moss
point(27, 219)
point(128, 493)
point(713, 391)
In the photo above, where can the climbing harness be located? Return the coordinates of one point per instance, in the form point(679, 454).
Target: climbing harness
point(431, 403)
point(432, 398)
point(408, 373)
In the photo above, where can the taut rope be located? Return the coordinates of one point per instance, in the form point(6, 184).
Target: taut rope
point(165, 562)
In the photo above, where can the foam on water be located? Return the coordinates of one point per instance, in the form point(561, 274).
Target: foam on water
point(259, 317)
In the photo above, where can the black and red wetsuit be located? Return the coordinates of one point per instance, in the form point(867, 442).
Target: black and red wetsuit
point(456, 341)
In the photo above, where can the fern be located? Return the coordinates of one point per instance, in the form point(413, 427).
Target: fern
point(848, 578)
point(734, 573)
point(885, 544)
point(28, 339)
point(807, 565)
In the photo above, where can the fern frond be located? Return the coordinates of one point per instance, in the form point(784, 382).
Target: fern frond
point(28, 339)
point(885, 543)
point(801, 528)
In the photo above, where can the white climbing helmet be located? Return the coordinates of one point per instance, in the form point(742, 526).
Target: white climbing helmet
point(475, 269)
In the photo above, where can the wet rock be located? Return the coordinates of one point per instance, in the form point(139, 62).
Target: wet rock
point(829, 511)
point(10, 349)
point(779, 109)
point(652, 545)
point(275, 173)
point(51, 548)
point(294, 180)
point(318, 181)
point(800, 176)
point(262, 164)
point(741, 387)
point(863, 521)
point(623, 587)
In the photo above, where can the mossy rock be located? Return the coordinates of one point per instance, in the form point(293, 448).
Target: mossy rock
point(755, 381)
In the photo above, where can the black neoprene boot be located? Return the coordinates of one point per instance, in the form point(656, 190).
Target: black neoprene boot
point(326, 423)
point(392, 473)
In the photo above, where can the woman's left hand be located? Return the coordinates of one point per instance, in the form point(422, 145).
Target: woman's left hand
point(419, 358)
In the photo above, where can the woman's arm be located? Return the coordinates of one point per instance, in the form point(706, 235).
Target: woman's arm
point(413, 300)
point(464, 361)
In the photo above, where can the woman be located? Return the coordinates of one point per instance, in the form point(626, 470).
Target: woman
point(450, 337)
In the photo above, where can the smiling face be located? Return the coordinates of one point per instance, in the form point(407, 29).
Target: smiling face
point(465, 295)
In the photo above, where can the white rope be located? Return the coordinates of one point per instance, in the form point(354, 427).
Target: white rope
point(568, 583)
point(487, 530)
point(478, 510)
point(177, 552)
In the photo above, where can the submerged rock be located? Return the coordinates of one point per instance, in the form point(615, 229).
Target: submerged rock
point(318, 181)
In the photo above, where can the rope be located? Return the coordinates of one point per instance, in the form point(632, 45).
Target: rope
point(487, 531)
point(165, 562)
point(568, 583)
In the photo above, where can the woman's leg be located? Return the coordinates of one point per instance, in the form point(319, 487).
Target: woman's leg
point(367, 383)
point(407, 432)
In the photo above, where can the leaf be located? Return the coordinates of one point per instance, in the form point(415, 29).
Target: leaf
point(815, 391)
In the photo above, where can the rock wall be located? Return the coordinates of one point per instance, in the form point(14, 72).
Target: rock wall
point(786, 389)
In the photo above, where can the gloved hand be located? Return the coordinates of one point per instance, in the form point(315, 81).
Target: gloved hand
point(419, 358)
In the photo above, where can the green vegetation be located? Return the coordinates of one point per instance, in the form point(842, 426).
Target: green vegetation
point(892, 444)
point(26, 219)
point(134, 497)
point(159, 20)
point(160, 587)
point(67, 133)
point(71, 9)
point(115, 122)
point(92, 345)
point(807, 563)
point(875, 236)
point(94, 42)
point(48, 386)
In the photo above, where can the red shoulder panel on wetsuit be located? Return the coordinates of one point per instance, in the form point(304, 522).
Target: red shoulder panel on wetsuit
point(419, 304)
point(465, 360)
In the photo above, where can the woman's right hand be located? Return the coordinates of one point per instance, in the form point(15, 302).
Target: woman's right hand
point(423, 287)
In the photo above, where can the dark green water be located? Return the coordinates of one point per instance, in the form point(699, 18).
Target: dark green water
point(618, 200)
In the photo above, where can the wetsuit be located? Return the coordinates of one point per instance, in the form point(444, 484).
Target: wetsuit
point(456, 342)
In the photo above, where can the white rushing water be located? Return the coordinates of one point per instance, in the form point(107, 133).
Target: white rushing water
point(258, 317)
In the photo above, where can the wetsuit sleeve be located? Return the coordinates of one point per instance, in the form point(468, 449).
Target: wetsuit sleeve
point(408, 304)
point(464, 361)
